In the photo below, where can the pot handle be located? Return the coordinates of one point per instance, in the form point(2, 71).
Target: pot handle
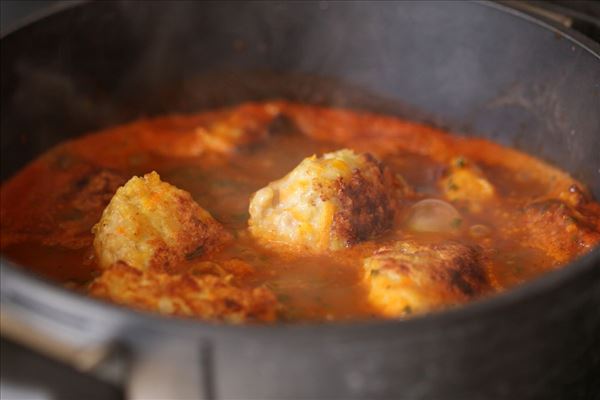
point(83, 358)
point(176, 370)
point(172, 369)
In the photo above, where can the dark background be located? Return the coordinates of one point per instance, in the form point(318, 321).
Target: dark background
point(12, 11)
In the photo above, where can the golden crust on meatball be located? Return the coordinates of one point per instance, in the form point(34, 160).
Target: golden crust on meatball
point(204, 296)
point(150, 224)
point(327, 202)
point(559, 229)
point(465, 183)
point(414, 277)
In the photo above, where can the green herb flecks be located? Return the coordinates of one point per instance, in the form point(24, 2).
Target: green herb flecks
point(460, 162)
point(456, 223)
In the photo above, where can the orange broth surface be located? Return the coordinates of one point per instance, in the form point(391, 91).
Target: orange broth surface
point(325, 286)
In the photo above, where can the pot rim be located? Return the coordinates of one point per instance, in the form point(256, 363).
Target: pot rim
point(43, 292)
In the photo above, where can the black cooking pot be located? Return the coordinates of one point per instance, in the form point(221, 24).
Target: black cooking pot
point(480, 68)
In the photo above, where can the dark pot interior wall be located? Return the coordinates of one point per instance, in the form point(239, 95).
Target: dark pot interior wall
point(13, 11)
point(508, 87)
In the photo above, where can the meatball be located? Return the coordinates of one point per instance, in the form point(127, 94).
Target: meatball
point(61, 211)
point(209, 297)
point(247, 125)
point(414, 277)
point(465, 183)
point(223, 132)
point(150, 224)
point(558, 229)
point(95, 190)
point(327, 202)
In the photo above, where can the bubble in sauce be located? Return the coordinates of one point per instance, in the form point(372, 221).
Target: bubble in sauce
point(433, 215)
